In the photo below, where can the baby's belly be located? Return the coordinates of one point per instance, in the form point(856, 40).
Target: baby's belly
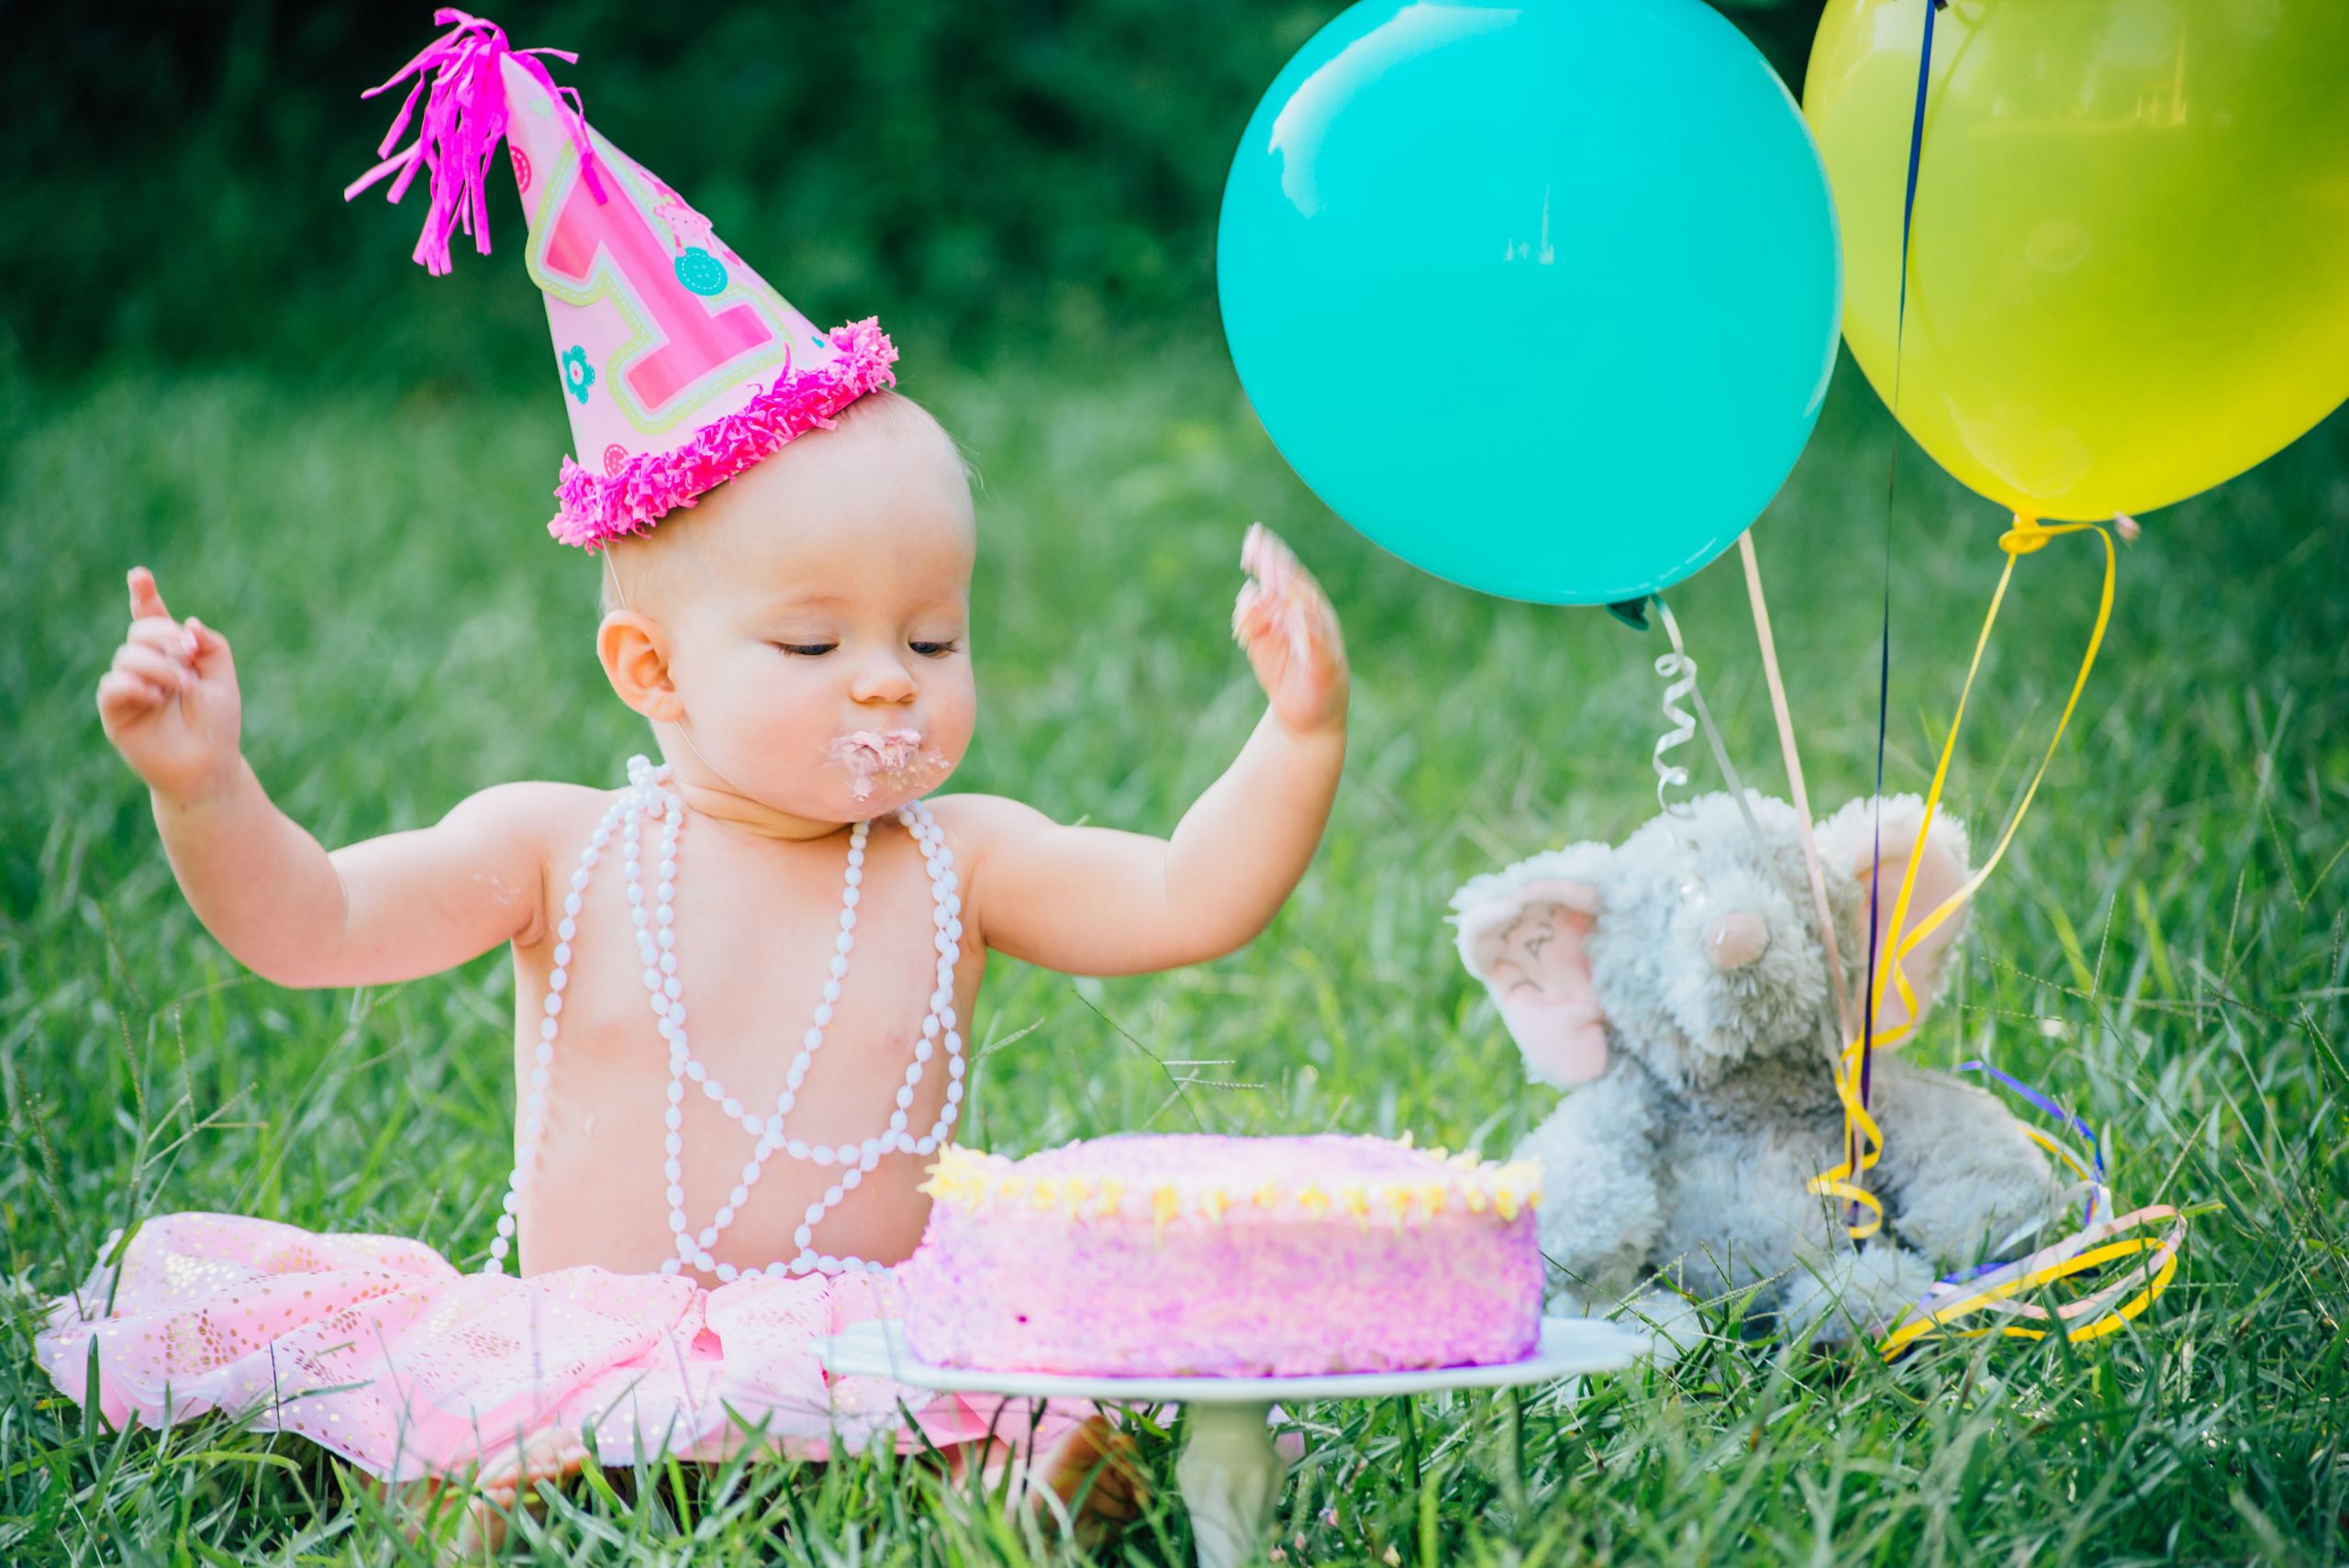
point(600, 1193)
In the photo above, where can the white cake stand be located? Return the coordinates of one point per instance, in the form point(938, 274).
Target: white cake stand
point(1229, 1471)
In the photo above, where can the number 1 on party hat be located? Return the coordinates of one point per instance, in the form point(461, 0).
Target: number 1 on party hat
point(680, 365)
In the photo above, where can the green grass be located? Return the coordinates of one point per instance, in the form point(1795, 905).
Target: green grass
point(2164, 948)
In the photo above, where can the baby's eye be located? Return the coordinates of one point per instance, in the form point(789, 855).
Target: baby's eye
point(807, 649)
point(933, 650)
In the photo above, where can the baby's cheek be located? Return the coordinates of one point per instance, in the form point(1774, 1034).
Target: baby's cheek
point(778, 706)
point(950, 712)
point(799, 713)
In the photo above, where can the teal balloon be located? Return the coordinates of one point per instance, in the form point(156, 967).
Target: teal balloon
point(1543, 296)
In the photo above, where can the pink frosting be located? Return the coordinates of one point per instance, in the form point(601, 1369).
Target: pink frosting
point(597, 509)
point(897, 758)
point(1149, 1285)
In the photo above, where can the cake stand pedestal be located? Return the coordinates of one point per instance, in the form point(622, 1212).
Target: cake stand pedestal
point(1229, 1472)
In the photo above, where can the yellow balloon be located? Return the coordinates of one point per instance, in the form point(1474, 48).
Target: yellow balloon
point(2129, 266)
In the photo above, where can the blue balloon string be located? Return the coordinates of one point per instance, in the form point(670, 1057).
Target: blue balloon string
point(2048, 1107)
point(1884, 664)
point(1908, 197)
point(1876, 809)
point(1901, 332)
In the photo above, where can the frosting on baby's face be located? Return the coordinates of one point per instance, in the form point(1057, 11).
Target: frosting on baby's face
point(813, 622)
point(897, 760)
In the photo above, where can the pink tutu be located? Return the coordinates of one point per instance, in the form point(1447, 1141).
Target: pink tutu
point(379, 1349)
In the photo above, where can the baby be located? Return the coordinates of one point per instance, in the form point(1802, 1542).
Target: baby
point(800, 643)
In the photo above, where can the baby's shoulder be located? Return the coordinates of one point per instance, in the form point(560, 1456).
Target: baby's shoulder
point(974, 823)
point(544, 815)
point(984, 830)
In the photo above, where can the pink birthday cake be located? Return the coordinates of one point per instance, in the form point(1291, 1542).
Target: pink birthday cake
point(1235, 1257)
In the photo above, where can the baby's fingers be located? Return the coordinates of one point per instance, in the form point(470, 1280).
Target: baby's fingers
point(126, 696)
point(1314, 639)
point(146, 599)
point(212, 658)
point(1248, 612)
point(1263, 556)
point(1285, 578)
point(165, 636)
point(140, 659)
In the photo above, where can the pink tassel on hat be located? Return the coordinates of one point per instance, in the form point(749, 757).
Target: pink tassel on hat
point(464, 119)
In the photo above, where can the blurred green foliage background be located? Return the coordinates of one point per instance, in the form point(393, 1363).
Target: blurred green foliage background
point(982, 174)
point(209, 363)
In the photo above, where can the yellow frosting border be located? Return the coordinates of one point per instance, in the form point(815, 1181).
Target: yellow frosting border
point(968, 1179)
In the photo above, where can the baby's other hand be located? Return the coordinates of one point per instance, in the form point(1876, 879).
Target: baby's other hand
point(1290, 632)
point(170, 702)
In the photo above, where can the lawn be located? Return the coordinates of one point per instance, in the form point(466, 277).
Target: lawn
point(2164, 949)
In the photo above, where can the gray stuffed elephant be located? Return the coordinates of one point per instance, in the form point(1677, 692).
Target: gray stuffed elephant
point(1676, 986)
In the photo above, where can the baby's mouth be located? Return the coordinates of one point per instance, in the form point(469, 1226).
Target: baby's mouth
point(895, 757)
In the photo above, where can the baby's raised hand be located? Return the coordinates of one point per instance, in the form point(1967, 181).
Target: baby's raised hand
point(1285, 624)
point(170, 702)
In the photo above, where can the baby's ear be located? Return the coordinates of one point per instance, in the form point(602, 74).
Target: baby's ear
point(1525, 932)
point(1869, 841)
point(634, 649)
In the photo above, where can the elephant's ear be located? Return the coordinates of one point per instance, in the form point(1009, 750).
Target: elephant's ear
point(1526, 934)
point(1870, 841)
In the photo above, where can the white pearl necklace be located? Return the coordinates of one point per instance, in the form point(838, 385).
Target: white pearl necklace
point(656, 946)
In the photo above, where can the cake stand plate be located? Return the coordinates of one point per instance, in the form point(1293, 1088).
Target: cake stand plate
point(1228, 1470)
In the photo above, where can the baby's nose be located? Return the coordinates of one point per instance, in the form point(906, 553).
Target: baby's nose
point(882, 681)
point(1736, 939)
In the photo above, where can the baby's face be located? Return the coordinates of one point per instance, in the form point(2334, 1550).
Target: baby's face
point(817, 616)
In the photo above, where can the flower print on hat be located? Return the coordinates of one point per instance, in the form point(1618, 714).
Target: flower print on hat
point(577, 373)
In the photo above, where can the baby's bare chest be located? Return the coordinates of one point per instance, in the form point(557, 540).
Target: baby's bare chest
point(764, 961)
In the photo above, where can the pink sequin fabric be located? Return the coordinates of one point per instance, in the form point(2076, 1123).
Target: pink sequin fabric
point(379, 1349)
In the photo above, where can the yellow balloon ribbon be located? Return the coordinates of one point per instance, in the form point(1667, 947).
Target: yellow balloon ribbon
point(1998, 1288)
point(1863, 1140)
point(2085, 1251)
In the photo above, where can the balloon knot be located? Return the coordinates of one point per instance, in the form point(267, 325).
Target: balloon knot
point(2027, 535)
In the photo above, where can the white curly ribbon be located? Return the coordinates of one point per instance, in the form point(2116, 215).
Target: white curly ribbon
point(1680, 672)
point(1678, 667)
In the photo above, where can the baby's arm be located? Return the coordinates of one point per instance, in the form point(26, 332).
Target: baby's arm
point(390, 908)
point(1097, 901)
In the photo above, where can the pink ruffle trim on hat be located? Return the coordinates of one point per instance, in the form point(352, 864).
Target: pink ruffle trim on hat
point(597, 509)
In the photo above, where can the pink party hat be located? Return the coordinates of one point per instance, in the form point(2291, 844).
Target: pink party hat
point(680, 366)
